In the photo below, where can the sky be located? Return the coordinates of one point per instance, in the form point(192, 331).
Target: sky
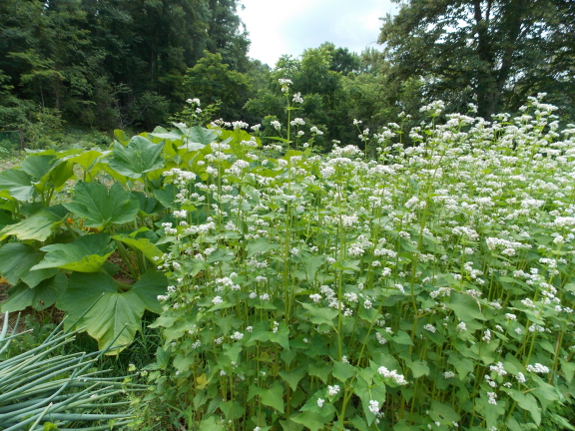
point(278, 27)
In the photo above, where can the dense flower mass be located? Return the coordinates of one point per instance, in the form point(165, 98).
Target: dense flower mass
point(431, 285)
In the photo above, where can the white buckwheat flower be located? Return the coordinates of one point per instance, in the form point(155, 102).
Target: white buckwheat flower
point(333, 390)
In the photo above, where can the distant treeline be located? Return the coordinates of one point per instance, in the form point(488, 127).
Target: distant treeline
point(105, 64)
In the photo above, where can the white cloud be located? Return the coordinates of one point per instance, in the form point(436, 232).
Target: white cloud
point(278, 27)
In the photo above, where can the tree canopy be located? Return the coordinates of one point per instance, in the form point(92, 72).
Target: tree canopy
point(112, 63)
point(488, 52)
point(106, 64)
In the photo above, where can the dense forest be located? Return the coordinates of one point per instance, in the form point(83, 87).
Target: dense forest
point(106, 64)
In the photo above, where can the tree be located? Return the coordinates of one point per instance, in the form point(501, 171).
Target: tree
point(112, 63)
point(213, 82)
point(227, 34)
point(480, 51)
point(12, 110)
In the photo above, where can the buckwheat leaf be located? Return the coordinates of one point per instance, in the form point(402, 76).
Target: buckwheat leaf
point(293, 377)
point(273, 397)
point(362, 388)
point(320, 316)
point(167, 196)
point(568, 369)
point(211, 424)
point(289, 425)
point(343, 371)
point(486, 351)
point(281, 335)
point(183, 362)
point(320, 371)
point(402, 338)
point(547, 394)
point(513, 424)
point(443, 413)
point(528, 403)
point(418, 369)
point(466, 307)
point(312, 264)
point(359, 423)
point(260, 245)
point(312, 421)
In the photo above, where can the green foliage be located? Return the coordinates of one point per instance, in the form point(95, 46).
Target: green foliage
point(107, 64)
point(426, 288)
point(68, 253)
point(214, 83)
point(491, 53)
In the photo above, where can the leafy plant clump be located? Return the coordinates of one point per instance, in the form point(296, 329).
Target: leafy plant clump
point(79, 228)
point(430, 288)
point(45, 389)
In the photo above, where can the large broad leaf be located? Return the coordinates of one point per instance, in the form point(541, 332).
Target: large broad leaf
point(38, 166)
point(201, 135)
point(100, 207)
point(38, 226)
point(121, 136)
point(47, 170)
point(140, 156)
point(87, 159)
point(40, 297)
point(160, 132)
point(111, 314)
point(86, 254)
point(152, 253)
point(167, 196)
point(18, 184)
point(5, 217)
point(61, 172)
point(148, 205)
point(16, 260)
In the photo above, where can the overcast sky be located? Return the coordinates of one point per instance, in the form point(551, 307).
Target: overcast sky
point(278, 27)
